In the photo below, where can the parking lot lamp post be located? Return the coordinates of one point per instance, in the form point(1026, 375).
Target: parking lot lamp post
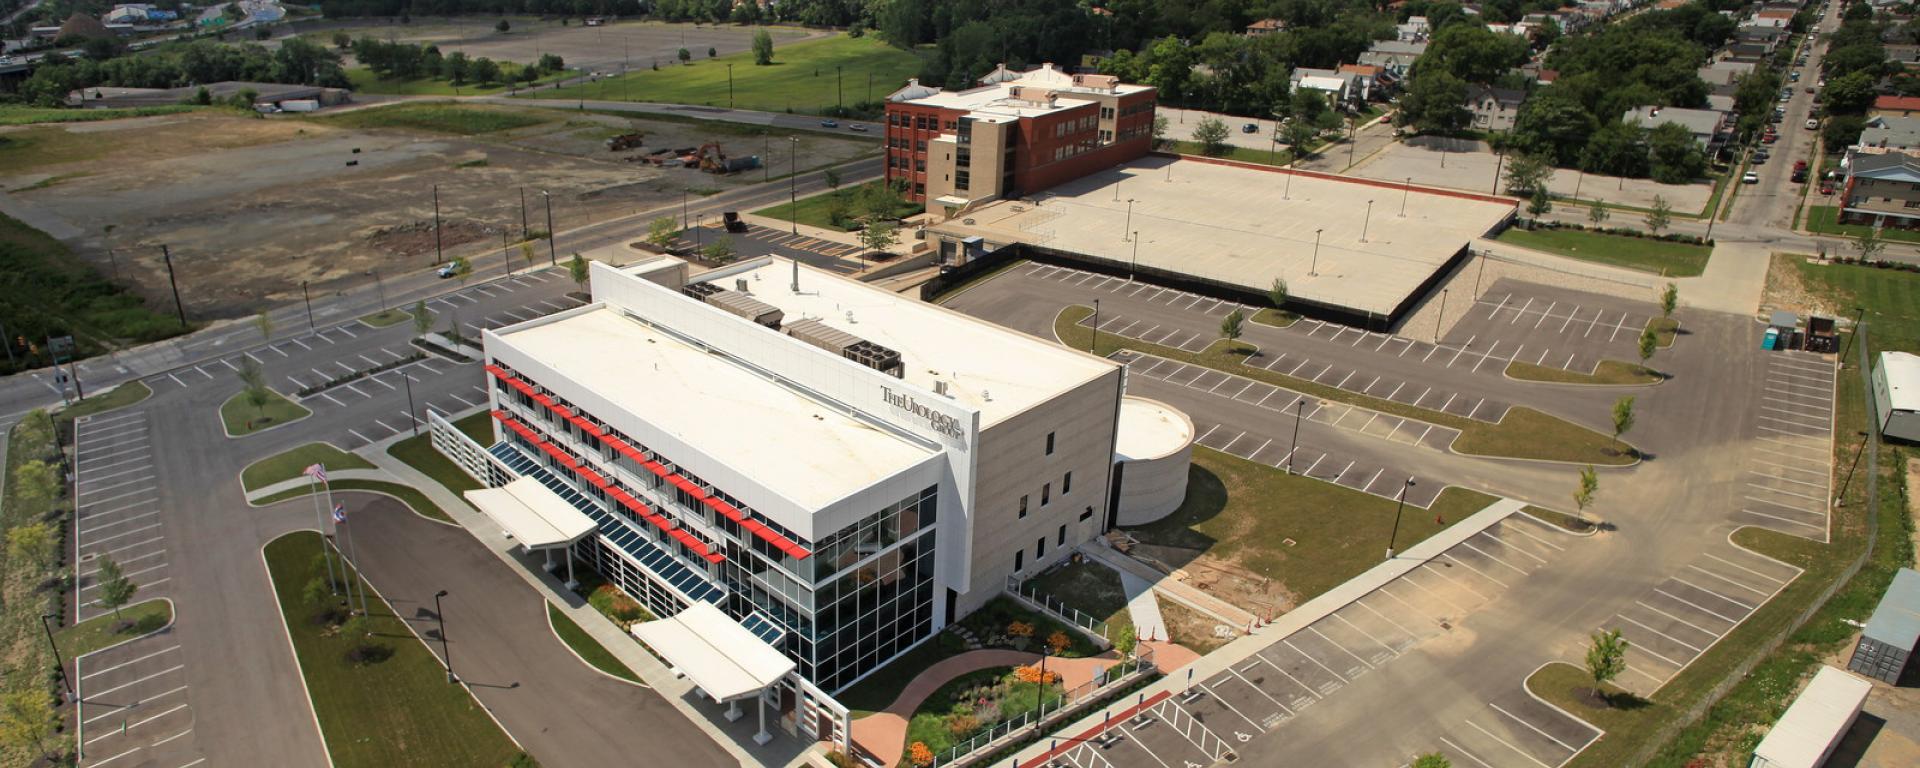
point(552, 258)
point(446, 653)
point(1286, 193)
point(1313, 268)
point(1404, 192)
point(1299, 405)
point(1129, 227)
point(308, 298)
point(1858, 314)
point(58, 663)
point(1400, 507)
point(1368, 219)
point(1096, 327)
point(1136, 257)
point(729, 86)
point(523, 213)
point(1040, 689)
point(793, 183)
point(179, 308)
point(1576, 183)
point(438, 256)
point(380, 286)
point(1440, 320)
point(412, 412)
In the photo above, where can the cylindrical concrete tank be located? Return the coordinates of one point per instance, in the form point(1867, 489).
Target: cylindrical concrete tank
point(1152, 454)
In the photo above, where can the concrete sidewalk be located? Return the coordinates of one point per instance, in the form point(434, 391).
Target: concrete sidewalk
point(1143, 608)
point(300, 483)
point(1177, 591)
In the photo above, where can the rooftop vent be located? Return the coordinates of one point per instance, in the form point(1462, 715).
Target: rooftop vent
point(847, 345)
point(736, 303)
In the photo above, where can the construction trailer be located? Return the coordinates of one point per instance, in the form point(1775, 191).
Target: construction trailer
point(1816, 722)
point(1896, 395)
point(1887, 642)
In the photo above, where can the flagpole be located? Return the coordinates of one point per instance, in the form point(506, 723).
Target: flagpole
point(320, 518)
point(340, 525)
point(352, 574)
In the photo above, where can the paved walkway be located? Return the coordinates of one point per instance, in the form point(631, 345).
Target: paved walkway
point(300, 483)
point(884, 734)
point(1177, 591)
point(1142, 607)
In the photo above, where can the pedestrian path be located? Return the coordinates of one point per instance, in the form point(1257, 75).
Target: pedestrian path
point(883, 734)
point(1142, 607)
point(301, 482)
point(1175, 590)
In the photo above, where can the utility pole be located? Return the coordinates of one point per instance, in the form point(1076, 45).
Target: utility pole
point(1366, 221)
point(412, 411)
point(1500, 159)
point(308, 298)
point(1313, 268)
point(552, 258)
point(793, 183)
point(59, 664)
point(438, 255)
point(446, 653)
point(1096, 327)
point(381, 286)
point(179, 308)
point(839, 90)
point(1401, 507)
point(523, 213)
point(1441, 318)
point(729, 86)
point(1405, 191)
point(1299, 404)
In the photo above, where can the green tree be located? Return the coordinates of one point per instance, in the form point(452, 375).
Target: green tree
point(1649, 343)
point(1212, 135)
point(116, 590)
point(263, 322)
point(1231, 327)
point(1474, 53)
point(1277, 293)
point(1159, 130)
point(762, 48)
point(1597, 214)
point(502, 27)
point(1677, 158)
point(1849, 94)
point(577, 269)
point(422, 319)
point(526, 252)
point(712, 52)
point(1870, 244)
point(253, 383)
point(1434, 102)
point(879, 235)
point(662, 231)
point(1622, 419)
point(1659, 215)
point(30, 543)
point(832, 177)
point(1553, 122)
point(1669, 299)
point(1528, 172)
point(1606, 659)
point(1299, 136)
point(462, 270)
point(720, 251)
point(684, 55)
point(1539, 203)
point(342, 40)
point(1432, 760)
point(27, 719)
point(486, 71)
point(36, 479)
point(1583, 497)
point(455, 68)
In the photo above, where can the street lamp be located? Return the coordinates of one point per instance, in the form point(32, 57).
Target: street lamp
point(304, 296)
point(446, 653)
point(1366, 221)
point(1395, 533)
point(411, 410)
point(1313, 269)
point(1136, 257)
point(1299, 404)
point(1096, 328)
point(793, 182)
point(552, 258)
point(58, 664)
point(1404, 192)
point(1129, 227)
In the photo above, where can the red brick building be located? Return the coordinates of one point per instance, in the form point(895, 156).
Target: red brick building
point(1015, 134)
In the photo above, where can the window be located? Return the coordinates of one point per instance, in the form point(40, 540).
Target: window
point(1913, 203)
point(1039, 548)
point(1023, 506)
point(1050, 443)
point(1019, 560)
point(1046, 494)
point(1066, 484)
point(1087, 515)
point(1062, 540)
point(920, 166)
point(920, 146)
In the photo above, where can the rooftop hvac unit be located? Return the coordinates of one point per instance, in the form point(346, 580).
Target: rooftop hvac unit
point(736, 303)
point(847, 345)
point(740, 284)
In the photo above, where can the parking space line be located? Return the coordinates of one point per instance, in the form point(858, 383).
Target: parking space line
point(363, 438)
point(1368, 635)
point(1790, 521)
point(154, 583)
point(122, 686)
point(1642, 646)
point(1643, 604)
point(1483, 574)
point(1469, 545)
point(1741, 603)
point(1748, 570)
point(1462, 750)
point(1702, 609)
point(122, 496)
point(99, 672)
point(116, 757)
point(134, 545)
point(1427, 567)
point(1509, 745)
point(1316, 661)
point(1521, 550)
point(1729, 581)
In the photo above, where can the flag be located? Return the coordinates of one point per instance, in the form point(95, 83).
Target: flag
point(339, 513)
point(316, 471)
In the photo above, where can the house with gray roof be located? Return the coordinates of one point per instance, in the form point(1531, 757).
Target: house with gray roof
point(1882, 190)
point(1394, 56)
point(1891, 133)
point(1709, 127)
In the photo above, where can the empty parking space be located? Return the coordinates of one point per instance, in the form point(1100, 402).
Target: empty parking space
point(1787, 482)
point(1686, 613)
point(133, 705)
point(1147, 293)
point(117, 493)
point(1549, 327)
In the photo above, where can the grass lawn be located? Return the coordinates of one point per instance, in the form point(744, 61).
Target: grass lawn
point(1556, 517)
point(438, 117)
point(1524, 433)
point(387, 318)
point(991, 623)
point(47, 280)
point(1244, 513)
point(397, 711)
point(14, 114)
point(1642, 253)
point(114, 399)
point(1821, 220)
point(1666, 328)
point(804, 77)
point(364, 81)
point(1192, 628)
point(24, 657)
point(1242, 154)
point(414, 499)
point(589, 649)
point(288, 465)
point(1274, 317)
point(242, 418)
point(1611, 372)
point(875, 691)
point(816, 211)
point(419, 453)
point(98, 632)
point(1090, 588)
point(1891, 299)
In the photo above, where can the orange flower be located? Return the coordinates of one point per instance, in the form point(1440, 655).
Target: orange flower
point(1058, 641)
point(919, 754)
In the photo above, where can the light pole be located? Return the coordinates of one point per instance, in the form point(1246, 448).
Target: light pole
point(379, 286)
point(58, 664)
point(1136, 257)
point(411, 410)
point(793, 182)
point(1859, 313)
point(1366, 221)
point(446, 652)
point(552, 258)
point(1129, 227)
point(1313, 269)
point(1096, 328)
point(438, 256)
point(1286, 193)
point(1299, 405)
point(523, 213)
point(1396, 517)
point(304, 296)
point(729, 86)
point(1405, 191)
point(174, 284)
point(1440, 319)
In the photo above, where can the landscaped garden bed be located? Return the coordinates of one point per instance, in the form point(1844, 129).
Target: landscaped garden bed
point(974, 703)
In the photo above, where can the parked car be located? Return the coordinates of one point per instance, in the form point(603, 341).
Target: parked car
point(861, 127)
point(1812, 124)
point(448, 269)
point(1750, 178)
point(1826, 188)
point(1793, 77)
point(829, 123)
point(1759, 158)
point(1250, 128)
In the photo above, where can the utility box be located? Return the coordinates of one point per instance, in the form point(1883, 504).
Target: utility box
point(1887, 643)
point(1896, 395)
point(1816, 722)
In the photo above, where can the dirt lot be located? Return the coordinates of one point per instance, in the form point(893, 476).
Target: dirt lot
point(603, 48)
point(252, 207)
point(1469, 165)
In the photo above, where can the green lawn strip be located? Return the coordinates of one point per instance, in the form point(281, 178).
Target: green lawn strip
point(878, 689)
point(1570, 688)
point(364, 81)
point(119, 397)
point(816, 211)
point(1232, 152)
point(1610, 372)
point(98, 632)
point(419, 453)
point(1891, 298)
point(387, 317)
point(13, 114)
point(957, 703)
point(242, 418)
point(289, 464)
point(1645, 254)
point(805, 77)
point(1274, 317)
point(418, 501)
point(1524, 433)
point(397, 711)
point(438, 117)
point(1822, 219)
point(477, 425)
point(51, 291)
point(1245, 513)
point(1666, 329)
point(589, 649)
point(25, 660)
point(1556, 517)
point(1090, 588)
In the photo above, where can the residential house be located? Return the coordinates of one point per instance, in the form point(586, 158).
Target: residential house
point(1394, 56)
point(1494, 109)
point(1751, 52)
point(1373, 79)
point(1415, 30)
point(1892, 133)
point(1344, 90)
point(1709, 127)
point(1266, 27)
point(1766, 37)
point(1905, 55)
point(1769, 19)
point(1882, 190)
point(1895, 106)
point(1721, 101)
point(1725, 72)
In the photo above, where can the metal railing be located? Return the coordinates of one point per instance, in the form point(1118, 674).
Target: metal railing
point(1079, 696)
point(1058, 609)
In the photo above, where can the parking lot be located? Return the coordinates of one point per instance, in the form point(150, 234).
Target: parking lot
point(134, 708)
point(757, 241)
point(1550, 327)
point(1270, 689)
point(117, 495)
point(1789, 475)
point(1256, 421)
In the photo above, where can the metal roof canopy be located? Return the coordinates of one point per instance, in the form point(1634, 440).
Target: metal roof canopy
point(535, 516)
point(1902, 372)
point(1896, 621)
point(1806, 734)
point(726, 661)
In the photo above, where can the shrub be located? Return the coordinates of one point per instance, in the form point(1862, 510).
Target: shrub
point(919, 754)
point(614, 604)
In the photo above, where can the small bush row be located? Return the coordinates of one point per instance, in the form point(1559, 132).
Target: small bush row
point(360, 374)
point(1621, 231)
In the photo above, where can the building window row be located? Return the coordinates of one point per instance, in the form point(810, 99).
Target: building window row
point(1075, 149)
point(1145, 106)
point(1077, 125)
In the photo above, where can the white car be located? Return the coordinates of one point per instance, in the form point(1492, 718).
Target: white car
point(1750, 178)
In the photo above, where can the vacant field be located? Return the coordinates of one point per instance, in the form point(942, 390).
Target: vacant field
point(252, 207)
point(596, 49)
point(804, 77)
point(364, 81)
point(1660, 257)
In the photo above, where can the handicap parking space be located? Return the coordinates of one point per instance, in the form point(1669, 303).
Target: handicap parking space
point(117, 492)
point(1549, 327)
point(133, 705)
point(1787, 483)
point(1683, 615)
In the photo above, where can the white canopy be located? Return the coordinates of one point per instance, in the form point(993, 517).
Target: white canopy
point(722, 658)
point(533, 515)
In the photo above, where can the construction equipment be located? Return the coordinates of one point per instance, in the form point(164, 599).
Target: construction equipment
point(625, 141)
point(712, 159)
point(734, 222)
